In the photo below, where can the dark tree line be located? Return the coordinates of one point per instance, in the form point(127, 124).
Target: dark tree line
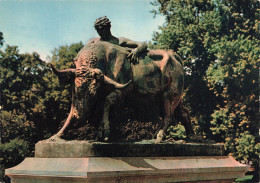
point(219, 41)
point(32, 103)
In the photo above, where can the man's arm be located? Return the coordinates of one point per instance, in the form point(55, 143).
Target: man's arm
point(138, 48)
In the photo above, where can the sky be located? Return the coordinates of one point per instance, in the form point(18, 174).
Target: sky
point(42, 25)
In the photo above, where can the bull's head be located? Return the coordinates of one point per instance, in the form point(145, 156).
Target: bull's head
point(96, 74)
point(89, 82)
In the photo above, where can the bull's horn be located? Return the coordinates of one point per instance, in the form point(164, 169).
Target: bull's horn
point(54, 70)
point(62, 73)
point(117, 85)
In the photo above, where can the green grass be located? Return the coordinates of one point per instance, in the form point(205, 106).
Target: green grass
point(247, 178)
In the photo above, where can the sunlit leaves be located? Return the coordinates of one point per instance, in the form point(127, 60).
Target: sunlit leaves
point(176, 132)
point(20, 79)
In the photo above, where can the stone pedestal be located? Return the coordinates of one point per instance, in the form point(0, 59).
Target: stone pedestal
point(83, 162)
point(81, 149)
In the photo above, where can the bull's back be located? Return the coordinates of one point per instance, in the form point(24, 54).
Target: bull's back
point(109, 58)
point(158, 71)
point(118, 66)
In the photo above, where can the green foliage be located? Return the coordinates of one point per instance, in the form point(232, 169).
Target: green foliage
point(23, 87)
point(20, 80)
point(234, 78)
point(176, 132)
point(15, 125)
point(13, 152)
point(22, 90)
point(63, 56)
point(247, 147)
point(234, 74)
point(32, 103)
point(219, 41)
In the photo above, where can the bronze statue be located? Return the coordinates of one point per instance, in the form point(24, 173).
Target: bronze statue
point(104, 76)
point(103, 28)
point(102, 65)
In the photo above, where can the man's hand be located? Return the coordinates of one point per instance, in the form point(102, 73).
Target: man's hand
point(134, 48)
point(96, 73)
point(134, 56)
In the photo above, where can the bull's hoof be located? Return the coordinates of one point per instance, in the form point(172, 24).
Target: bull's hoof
point(170, 140)
point(106, 139)
point(101, 139)
point(157, 141)
point(106, 135)
point(159, 137)
point(102, 136)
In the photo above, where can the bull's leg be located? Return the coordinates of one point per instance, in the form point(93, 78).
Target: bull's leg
point(169, 107)
point(166, 122)
point(104, 128)
point(182, 114)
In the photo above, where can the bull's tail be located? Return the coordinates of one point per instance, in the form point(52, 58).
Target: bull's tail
point(71, 114)
point(182, 114)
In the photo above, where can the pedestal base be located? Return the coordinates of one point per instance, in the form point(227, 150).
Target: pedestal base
point(82, 149)
point(127, 170)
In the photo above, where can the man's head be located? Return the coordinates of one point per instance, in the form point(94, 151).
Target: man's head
point(103, 25)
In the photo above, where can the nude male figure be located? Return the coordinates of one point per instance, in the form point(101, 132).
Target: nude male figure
point(103, 26)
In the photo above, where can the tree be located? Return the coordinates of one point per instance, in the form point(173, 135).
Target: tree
point(21, 83)
point(31, 99)
point(1, 39)
point(191, 28)
point(219, 41)
point(20, 79)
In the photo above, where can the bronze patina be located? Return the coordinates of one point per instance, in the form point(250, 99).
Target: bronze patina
point(106, 72)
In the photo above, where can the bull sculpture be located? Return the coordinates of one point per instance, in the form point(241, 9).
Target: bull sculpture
point(103, 71)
